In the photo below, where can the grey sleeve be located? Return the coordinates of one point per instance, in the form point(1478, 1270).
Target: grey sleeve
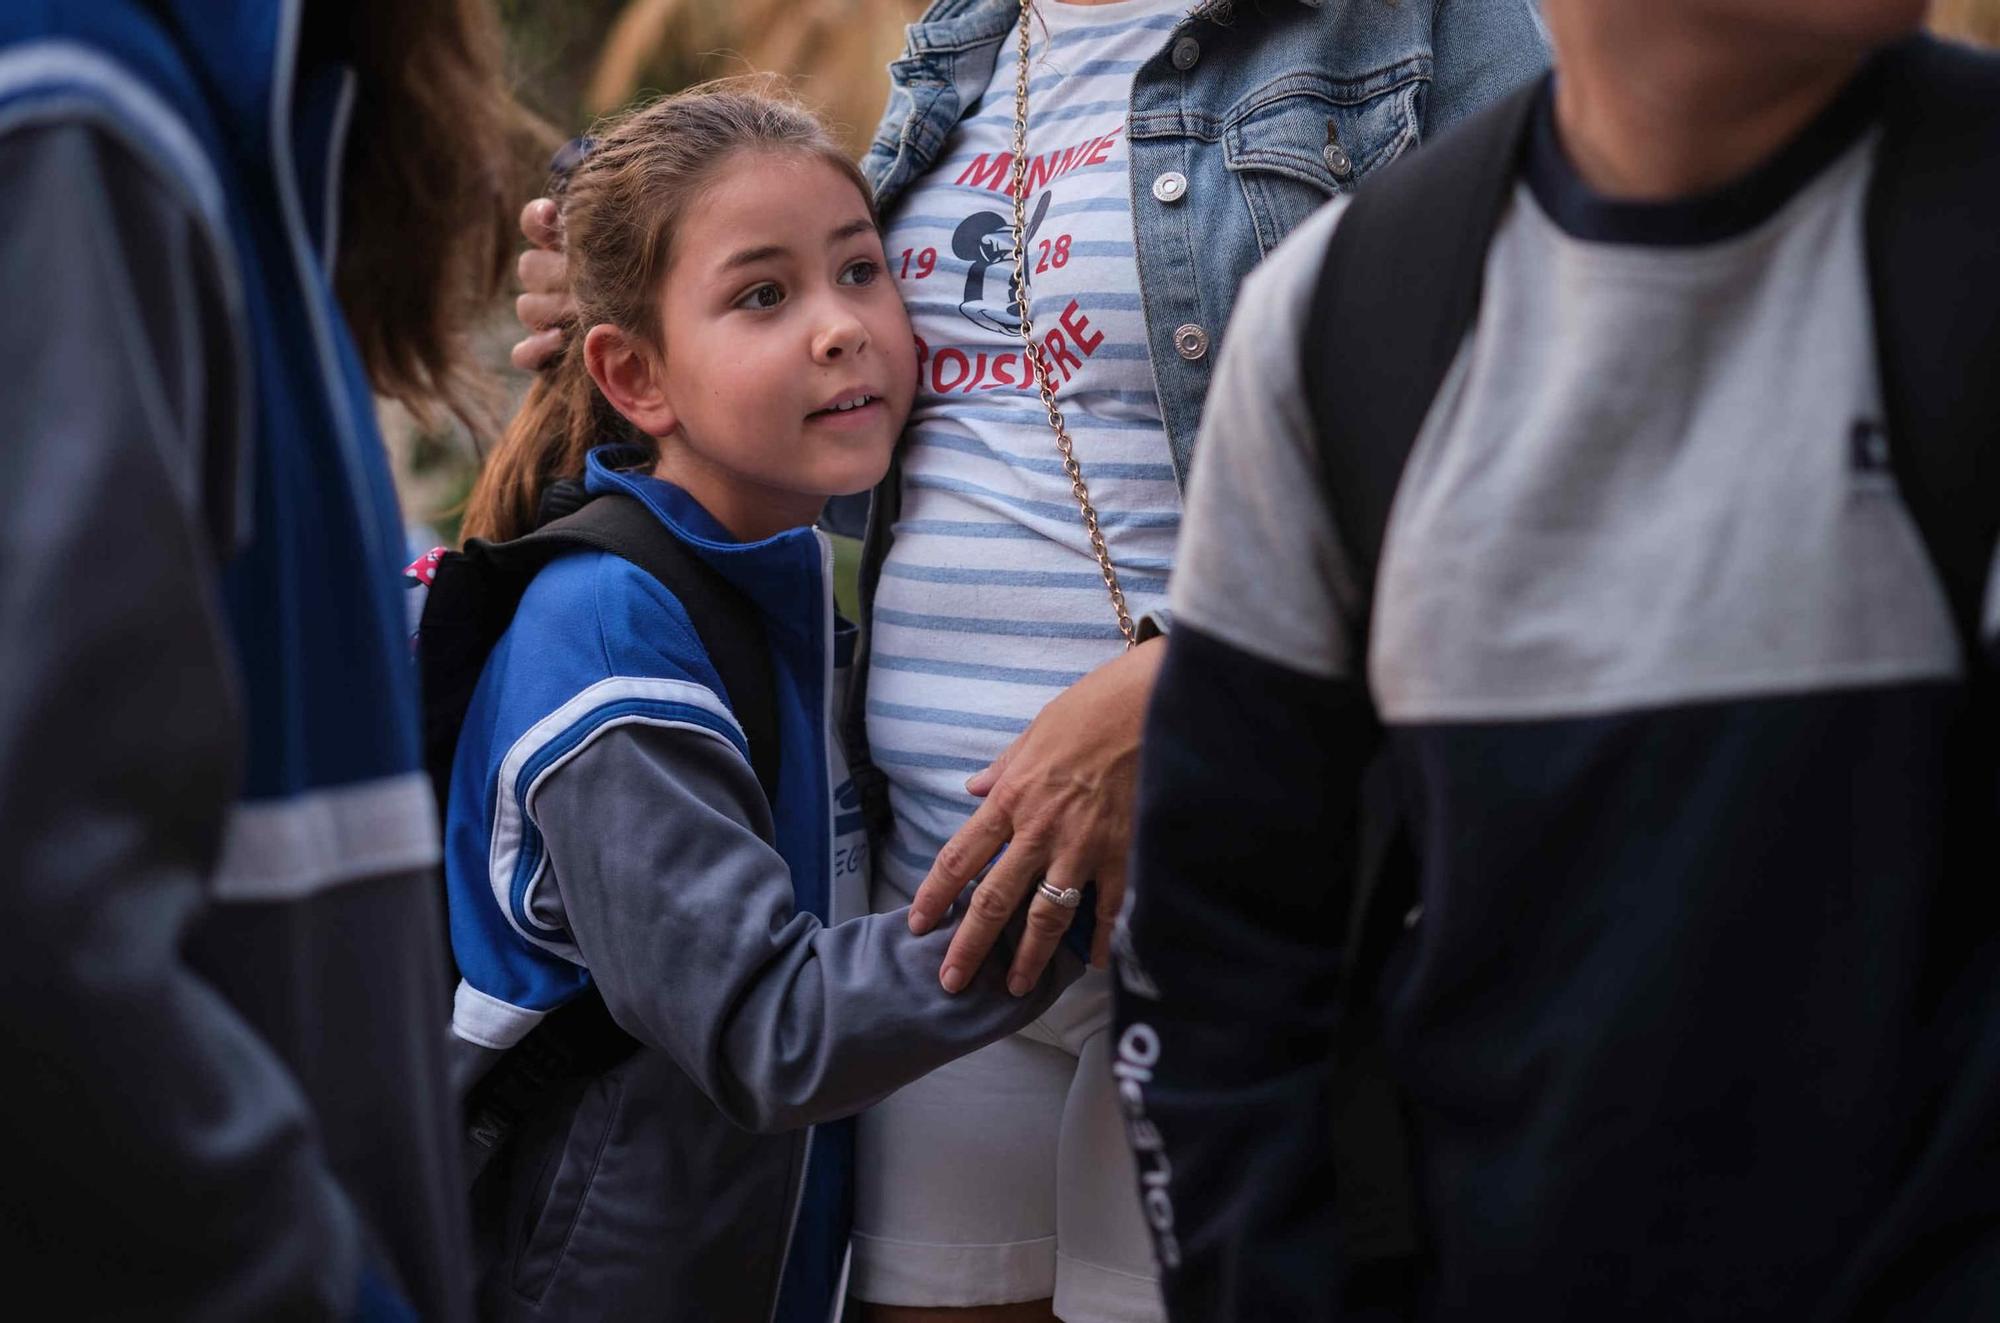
point(162, 1162)
point(1480, 51)
point(1259, 565)
point(685, 917)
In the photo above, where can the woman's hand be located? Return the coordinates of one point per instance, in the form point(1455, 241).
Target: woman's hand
point(546, 307)
point(1060, 799)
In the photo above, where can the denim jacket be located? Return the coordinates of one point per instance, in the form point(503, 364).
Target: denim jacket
point(1265, 109)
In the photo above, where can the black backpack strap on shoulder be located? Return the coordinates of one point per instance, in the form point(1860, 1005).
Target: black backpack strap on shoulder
point(475, 592)
point(1934, 280)
point(724, 619)
point(1398, 291)
point(1934, 285)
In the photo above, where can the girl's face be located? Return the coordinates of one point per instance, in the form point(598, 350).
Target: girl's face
point(789, 363)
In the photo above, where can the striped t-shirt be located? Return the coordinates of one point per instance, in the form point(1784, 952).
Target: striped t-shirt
point(991, 602)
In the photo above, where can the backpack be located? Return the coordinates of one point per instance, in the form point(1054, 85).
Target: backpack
point(1411, 250)
point(472, 600)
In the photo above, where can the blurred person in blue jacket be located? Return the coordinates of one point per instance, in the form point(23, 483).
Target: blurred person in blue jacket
point(223, 1014)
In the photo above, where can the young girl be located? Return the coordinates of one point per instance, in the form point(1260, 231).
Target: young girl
point(605, 826)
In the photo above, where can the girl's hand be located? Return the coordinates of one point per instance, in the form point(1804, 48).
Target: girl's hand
point(546, 307)
point(1060, 798)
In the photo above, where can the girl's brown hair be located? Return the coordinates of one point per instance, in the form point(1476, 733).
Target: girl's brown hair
point(621, 209)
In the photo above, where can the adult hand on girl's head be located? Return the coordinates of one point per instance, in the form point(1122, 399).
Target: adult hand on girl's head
point(1060, 798)
point(546, 307)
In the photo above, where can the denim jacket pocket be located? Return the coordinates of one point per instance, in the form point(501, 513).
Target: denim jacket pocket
point(1300, 140)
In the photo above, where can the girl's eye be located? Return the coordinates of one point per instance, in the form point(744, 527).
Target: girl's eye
point(763, 296)
point(860, 273)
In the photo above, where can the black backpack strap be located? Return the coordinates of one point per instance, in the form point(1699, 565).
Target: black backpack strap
point(1934, 277)
point(1934, 284)
point(726, 621)
point(475, 592)
point(1410, 255)
point(1398, 291)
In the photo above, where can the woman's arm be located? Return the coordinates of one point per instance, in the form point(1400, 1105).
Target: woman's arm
point(684, 915)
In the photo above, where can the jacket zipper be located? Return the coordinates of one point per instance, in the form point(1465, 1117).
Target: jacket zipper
point(792, 1225)
point(825, 731)
point(827, 736)
point(304, 275)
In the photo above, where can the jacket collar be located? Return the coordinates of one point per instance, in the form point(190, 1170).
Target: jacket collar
point(785, 575)
point(624, 468)
point(950, 25)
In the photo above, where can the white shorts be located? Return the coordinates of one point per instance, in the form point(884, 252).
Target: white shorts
point(1005, 1176)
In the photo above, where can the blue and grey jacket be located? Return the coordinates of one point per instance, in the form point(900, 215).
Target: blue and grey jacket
point(605, 828)
point(220, 1013)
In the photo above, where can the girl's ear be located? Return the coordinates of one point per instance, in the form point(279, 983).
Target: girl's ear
point(631, 377)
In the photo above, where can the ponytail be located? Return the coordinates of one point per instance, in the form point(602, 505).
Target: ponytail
point(563, 417)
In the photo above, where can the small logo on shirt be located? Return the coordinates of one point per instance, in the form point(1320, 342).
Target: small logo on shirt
point(847, 803)
point(850, 841)
point(1868, 453)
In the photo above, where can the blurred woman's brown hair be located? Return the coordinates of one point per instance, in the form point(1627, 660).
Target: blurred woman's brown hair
point(621, 208)
point(437, 152)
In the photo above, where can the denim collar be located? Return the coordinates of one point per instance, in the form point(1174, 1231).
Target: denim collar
point(956, 25)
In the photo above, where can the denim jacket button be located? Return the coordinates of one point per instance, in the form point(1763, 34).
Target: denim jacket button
point(1337, 161)
point(1170, 187)
point(1186, 51)
point(1190, 341)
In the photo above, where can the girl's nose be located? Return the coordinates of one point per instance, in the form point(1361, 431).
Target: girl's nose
point(843, 336)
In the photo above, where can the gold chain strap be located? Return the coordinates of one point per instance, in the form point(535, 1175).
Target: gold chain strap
point(1018, 185)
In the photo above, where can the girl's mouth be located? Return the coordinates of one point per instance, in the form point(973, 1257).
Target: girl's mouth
point(857, 404)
